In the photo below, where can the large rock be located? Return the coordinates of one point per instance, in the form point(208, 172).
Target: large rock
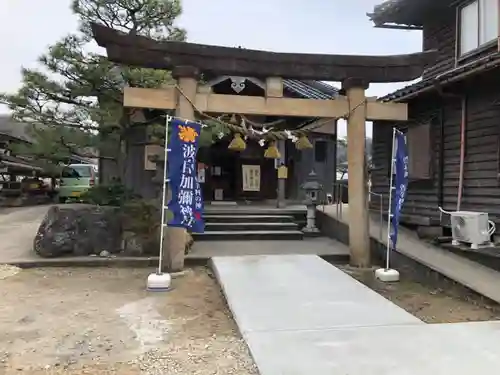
point(78, 229)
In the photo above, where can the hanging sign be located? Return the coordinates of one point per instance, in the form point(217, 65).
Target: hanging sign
point(186, 204)
point(400, 182)
point(251, 177)
point(282, 172)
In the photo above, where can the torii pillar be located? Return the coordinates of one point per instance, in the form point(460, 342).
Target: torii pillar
point(358, 214)
point(175, 241)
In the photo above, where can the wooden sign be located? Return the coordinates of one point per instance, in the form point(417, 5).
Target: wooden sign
point(282, 172)
point(251, 177)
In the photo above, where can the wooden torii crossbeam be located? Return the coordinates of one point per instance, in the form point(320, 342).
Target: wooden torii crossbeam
point(188, 60)
point(166, 98)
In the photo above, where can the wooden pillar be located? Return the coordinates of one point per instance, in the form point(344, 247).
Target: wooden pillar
point(359, 235)
point(274, 89)
point(187, 79)
point(281, 193)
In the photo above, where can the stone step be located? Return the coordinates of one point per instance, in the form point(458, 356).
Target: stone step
point(249, 226)
point(242, 235)
point(239, 210)
point(229, 218)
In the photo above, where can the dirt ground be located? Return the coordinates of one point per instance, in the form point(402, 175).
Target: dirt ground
point(102, 321)
point(428, 304)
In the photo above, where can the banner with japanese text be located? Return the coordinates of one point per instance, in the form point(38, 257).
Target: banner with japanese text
point(400, 183)
point(186, 204)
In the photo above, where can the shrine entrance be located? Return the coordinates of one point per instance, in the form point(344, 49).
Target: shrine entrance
point(192, 101)
point(236, 176)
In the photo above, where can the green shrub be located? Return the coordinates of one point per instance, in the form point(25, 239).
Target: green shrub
point(108, 195)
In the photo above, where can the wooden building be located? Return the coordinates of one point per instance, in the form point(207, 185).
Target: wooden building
point(453, 132)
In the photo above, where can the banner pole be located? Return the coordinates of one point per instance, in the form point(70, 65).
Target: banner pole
point(389, 218)
point(163, 198)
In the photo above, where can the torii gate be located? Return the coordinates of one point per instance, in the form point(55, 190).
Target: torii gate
point(188, 60)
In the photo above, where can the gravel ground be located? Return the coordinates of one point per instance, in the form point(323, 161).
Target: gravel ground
point(428, 304)
point(102, 321)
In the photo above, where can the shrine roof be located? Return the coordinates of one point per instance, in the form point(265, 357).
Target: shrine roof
point(311, 89)
point(134, 50)
point(409, 13)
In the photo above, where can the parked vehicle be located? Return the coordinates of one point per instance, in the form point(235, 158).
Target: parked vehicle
point(75, 180)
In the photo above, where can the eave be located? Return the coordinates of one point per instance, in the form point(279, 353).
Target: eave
point(407, 14)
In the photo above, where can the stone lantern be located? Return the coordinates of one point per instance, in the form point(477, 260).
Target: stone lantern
point(312, 189)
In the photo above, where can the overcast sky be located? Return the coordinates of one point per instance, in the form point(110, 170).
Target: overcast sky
point(27, 27)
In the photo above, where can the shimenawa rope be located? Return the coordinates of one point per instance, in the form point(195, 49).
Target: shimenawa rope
point(270, 135)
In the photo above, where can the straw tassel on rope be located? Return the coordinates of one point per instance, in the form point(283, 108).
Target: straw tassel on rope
point(237, 144)
point(272, 151)
point(303, 143)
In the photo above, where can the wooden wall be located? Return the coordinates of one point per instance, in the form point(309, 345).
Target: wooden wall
point(422, 199)
point(440, 34)
point(481, 163)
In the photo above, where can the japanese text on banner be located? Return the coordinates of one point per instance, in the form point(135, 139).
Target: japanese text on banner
point(182, 173)
point(401, 184)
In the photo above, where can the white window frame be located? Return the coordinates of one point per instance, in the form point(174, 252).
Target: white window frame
point(480, 30)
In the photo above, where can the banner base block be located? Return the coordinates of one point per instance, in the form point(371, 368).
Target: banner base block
point(159, 282)
point(387, 275)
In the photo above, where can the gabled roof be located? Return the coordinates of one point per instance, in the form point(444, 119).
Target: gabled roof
point(409, 13)
point(304, 89)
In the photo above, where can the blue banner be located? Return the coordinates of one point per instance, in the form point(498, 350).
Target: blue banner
point(186, 204)
point(400, 183)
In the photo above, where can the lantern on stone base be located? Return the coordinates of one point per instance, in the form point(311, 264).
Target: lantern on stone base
point(312, 189)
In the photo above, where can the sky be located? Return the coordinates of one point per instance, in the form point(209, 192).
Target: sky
point(28, 27)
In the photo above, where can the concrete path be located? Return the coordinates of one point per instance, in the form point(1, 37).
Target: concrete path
point(322, 246)
point(18, 227)
point(300, 315)
point(476, 277)
point(444, 349)
point(297, 292)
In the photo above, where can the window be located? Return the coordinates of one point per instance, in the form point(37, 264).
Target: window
point(478, 24)
point(74, 171)
point(320, 151)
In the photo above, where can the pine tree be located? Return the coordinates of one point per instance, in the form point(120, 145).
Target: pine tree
point(74, 99)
